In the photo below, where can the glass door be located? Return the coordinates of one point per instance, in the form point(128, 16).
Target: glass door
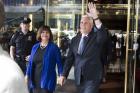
point(132, 66)
point(63, 16)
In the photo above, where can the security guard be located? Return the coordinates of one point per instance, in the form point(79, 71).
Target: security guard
point(21, 43)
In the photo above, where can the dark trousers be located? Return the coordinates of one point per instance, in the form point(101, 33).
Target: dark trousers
point(88, 86)
point(22, 64)
point(40, 90)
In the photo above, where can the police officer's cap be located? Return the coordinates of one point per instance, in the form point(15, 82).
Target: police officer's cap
point(25, 20)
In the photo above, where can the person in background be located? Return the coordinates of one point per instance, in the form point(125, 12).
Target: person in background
point(106, 55)
point(41, 73)
point(85, 53)
point(21, 43)
point(11, 77)
point(2, 13)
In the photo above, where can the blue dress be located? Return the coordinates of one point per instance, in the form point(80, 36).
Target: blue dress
point(51, 58)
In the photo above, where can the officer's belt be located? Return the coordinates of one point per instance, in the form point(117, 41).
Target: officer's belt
point(20, 56)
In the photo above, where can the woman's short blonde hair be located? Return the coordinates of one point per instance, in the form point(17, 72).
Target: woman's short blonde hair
point(44, 28)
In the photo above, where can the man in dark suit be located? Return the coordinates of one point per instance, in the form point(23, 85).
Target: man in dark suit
point(85, 53)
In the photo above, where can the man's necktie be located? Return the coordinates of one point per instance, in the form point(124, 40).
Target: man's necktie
point(82, 44)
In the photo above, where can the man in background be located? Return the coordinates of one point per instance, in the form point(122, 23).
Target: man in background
point(11, 76)
point(21, 43)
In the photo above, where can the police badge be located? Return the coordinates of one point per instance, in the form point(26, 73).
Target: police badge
point(29, 38)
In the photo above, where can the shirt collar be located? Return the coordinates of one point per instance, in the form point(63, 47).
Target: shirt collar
point(21, 32)
point(83, 35)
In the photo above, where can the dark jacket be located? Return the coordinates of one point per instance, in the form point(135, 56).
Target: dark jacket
point(88, 64)
point(23, 43)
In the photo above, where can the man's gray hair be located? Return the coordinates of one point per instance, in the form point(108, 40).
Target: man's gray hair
point(90, 18)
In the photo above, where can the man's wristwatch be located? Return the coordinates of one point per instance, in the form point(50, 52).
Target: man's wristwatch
point(95, 18)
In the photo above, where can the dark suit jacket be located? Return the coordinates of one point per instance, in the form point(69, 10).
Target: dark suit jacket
point(88, 64)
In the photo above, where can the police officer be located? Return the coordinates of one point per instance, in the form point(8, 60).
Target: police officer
point(21, 43)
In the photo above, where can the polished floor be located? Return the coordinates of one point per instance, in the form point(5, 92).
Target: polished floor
point(114, 84)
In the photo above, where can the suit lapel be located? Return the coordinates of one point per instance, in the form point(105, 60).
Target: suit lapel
point(77, 42)
point(91, 38)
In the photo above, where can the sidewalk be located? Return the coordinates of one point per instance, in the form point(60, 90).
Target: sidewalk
point(69, 86)
point(114, 84)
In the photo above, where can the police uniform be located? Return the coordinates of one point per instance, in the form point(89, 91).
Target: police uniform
point(23, 44)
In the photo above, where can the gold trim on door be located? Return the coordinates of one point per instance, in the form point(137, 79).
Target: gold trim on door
point(127, 47)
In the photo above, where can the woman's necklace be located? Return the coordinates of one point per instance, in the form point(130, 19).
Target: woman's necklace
point(42, 46)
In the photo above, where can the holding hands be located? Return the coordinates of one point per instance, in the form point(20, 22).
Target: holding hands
point(61, 80)
point(94, 14)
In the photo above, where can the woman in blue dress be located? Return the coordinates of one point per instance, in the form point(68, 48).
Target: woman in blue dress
point(41, 70)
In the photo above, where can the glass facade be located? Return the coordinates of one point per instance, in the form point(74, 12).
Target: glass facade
point(67, 11)
point(132, 74)
point(63, 16)
point(25, 2)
